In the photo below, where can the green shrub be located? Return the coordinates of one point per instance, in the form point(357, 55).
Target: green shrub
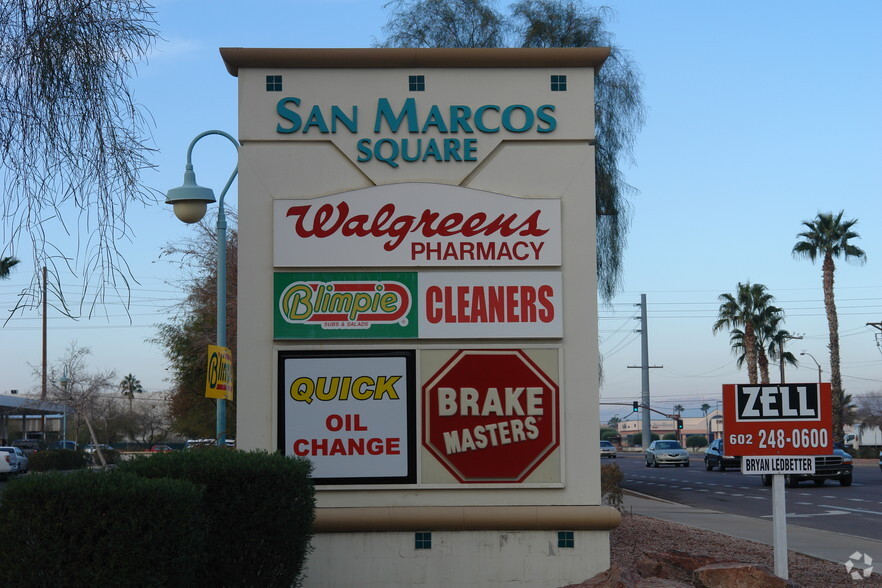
point(111, 456)
point(611, 492)
point(670, 437)
point(636, 439)
point(57, 459)
point(259, 510)
point(101, 529)
point(696, 441)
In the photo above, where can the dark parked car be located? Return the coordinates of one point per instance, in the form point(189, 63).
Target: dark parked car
point(27, 446)
point(836, 466)
point(69, 445)
point(715, 457)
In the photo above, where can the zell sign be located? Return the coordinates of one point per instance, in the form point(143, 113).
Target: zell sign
point(490, 415)
point(777, 419)
point(415, 224)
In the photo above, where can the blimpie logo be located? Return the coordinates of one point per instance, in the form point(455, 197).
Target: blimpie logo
point(345, 304)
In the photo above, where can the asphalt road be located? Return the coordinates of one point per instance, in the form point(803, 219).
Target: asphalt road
point(855, 510)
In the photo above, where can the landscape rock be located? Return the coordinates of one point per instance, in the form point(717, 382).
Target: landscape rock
point(738, 575)
point(617, 577)
point(672, 565)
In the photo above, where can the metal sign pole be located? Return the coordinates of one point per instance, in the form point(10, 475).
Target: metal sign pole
point(779, 525)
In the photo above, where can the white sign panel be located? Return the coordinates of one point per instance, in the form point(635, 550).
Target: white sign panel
point(350, 414)
point(490, 304)
point(417, 224)
point(778, 464)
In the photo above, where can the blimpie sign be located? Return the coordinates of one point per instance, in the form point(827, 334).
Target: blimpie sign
point(415, 224)
point(326, 305)
point(352, 414)
point(777, 419)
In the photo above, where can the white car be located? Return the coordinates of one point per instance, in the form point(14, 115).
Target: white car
point(13, 461)
point(666, 452)
point(607, 449)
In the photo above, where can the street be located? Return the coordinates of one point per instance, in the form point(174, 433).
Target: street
point(855, 510)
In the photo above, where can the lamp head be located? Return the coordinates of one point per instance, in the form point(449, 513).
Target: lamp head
point(189, 201)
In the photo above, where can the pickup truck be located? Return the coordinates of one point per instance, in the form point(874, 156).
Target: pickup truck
point(12, 461)
point(836, 466)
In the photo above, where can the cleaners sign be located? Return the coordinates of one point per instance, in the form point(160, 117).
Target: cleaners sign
point(417, 224)
point(351, 414)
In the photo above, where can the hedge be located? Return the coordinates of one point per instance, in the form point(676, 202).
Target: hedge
point(57, 459)
point(101, 529)
point(259, 509)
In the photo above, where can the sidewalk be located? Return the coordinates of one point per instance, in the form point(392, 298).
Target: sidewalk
point(821, 544)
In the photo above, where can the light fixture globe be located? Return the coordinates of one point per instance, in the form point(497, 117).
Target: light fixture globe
point(190, 201)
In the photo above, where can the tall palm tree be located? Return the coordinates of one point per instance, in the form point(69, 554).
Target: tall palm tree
point(827, 236)
point(678, 408)
point(129, 386)
point(742, 313)
point(6, 264)
point(705, 408)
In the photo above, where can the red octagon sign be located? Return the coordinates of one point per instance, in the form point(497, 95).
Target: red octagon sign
point(490, 415)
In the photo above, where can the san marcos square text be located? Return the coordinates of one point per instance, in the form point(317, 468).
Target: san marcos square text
point(416, 120)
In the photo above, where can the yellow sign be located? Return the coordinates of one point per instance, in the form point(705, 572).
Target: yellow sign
point(219, 376)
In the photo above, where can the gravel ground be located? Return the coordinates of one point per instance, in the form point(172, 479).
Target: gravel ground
point(638, 533)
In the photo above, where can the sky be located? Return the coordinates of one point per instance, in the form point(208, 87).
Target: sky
point(759, 115)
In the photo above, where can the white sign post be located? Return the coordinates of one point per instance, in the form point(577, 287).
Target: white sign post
point(778, 466)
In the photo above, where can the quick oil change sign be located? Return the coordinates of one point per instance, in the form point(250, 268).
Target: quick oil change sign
point(415, 224)
point(352, 414)
point(428, 305)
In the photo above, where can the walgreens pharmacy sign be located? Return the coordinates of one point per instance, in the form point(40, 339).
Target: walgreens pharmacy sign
point(417, 224)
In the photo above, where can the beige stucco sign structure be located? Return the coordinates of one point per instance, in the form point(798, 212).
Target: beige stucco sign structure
point(417, 307)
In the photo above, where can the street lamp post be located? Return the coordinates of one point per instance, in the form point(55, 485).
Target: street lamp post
point(190, 204)
point(816, 363)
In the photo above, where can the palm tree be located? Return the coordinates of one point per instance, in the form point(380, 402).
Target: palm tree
point(129, 386)
point(6, 264)
point(744, 312)
point(704, 408)
point(678, 408)
point(827, 236)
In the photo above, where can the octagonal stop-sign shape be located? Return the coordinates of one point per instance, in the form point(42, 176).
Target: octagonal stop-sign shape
point(490, 415)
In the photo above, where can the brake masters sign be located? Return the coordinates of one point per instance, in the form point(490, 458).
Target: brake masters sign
point(490, 415)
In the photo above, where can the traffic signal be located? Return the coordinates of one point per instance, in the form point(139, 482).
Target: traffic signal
point(636, 406)
point(679, 423)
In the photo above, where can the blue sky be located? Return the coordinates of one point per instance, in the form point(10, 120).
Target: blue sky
point(759, 115)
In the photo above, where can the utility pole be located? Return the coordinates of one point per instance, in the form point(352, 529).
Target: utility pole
point(781, 353)
point(644, 368)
